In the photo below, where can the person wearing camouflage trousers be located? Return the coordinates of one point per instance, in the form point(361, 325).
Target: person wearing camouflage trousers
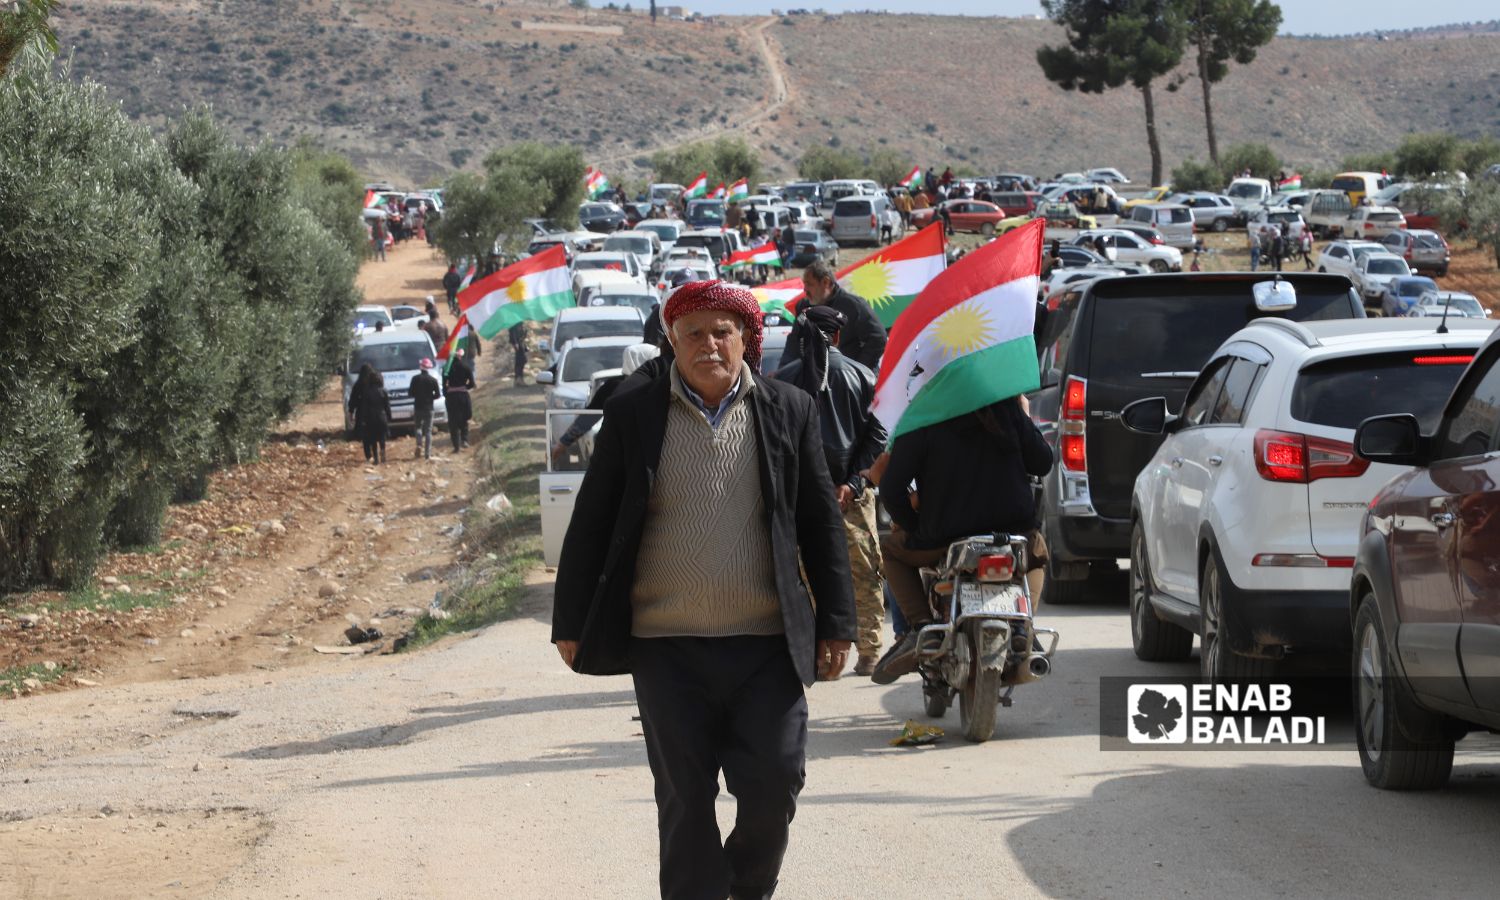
point(864, 566)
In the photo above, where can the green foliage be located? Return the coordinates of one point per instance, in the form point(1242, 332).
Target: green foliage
point(168, 307)
point(725, 159)
point(827, 163)
point(1477, 155)
point(477, 209)
point(1191, 175)
point(25, 34)
point(1109, 43)
point(1422, 155)
point(1258, 158)
point(555, 171)
point(1227, 31)
point(1474, 212)
point(1369, 162)
point(887, 167)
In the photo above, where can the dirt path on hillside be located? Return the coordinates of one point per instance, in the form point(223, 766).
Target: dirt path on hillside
point(781, 94)
point(284, 554)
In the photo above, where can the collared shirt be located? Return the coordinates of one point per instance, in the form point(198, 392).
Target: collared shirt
point(713, 416)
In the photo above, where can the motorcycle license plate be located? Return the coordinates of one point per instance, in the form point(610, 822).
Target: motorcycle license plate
point(1004, 599)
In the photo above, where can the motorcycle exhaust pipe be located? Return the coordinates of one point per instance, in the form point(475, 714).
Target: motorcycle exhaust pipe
point(1038, 666)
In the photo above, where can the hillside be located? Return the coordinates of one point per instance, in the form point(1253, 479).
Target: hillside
point(410, 91)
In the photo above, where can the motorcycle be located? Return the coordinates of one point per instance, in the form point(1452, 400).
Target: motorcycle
point(985, 642)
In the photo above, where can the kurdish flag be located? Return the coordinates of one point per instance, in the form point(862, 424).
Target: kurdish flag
point(891, 278)
point(764, 255)
point(459, 332)
point(739, 191)
point(913, 178)
point(532, 290)
point(697, 188)
point(966, 341)
point(779, 296)
point(596, 183)
point(1290, 183)
point(718, 192)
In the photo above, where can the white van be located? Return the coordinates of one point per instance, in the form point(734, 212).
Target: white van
point(857, 219)
point(838, 189)
point(1173, 220)
point(397, 355)
point(1248, 193)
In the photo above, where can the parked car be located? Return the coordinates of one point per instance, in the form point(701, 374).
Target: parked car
point(1374, 272)
point(811, 244)
point(626, 296)
point(1425, 251)
point(1268, 220)
point(1244, 522)
point(837, 189)
point(1016, 203)
point(1401, 294)
point(973, 216)
point(590, 282)
point(590, 321)
point(1212, 212)
point(1418, 202)
point(666, 231)
point(1129, 247)
point(397, 355)
point(1451, 303)
point(1076, 257)
point(1247, 194)
point(1372, 223)
point(663, 193)
point(1326, 212)
point(1147, 233)
point(1158, 194)
point(772, 346)
point(1065, 215)
point(1124, 339)
point(804, 192)
point(1174, 220)
point(610, 260)
point(570, 381)
point(1108, 175)
point(601, 217)
point(1340, 257)
point(705, 213)
point(1359, 184)
point(644, 245)
point(1426, 628)
point(719, 242)
point(857, 219)
point(365, 318)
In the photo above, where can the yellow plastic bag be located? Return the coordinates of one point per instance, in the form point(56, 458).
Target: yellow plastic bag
point(914, 734)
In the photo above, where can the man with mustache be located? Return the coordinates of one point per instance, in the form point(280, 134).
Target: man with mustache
point(706, 489)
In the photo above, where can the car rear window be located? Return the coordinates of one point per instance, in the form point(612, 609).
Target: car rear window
point(1180, 216)
point(1385, 217)
point(582, 362)
point(1343, 392)
point(853, 208)
point(1387, 267)
point(1176, 328)
point(1348, 184)
point(567, 331)
point(1428, 241)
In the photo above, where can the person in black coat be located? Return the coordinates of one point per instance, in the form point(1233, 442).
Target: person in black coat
point(973, 476)
point(424, 391)
point(722, 588)
point(371, 407)
point(451, 281)
point(458, 381)
point(863, 337)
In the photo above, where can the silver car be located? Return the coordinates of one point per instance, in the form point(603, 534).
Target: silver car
point(858, 219)
point(1425, 251)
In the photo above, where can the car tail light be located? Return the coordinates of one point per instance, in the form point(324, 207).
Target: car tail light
point(1302, 561)
point(873, 223)
point(1157, 239)
point(996, 567)
point(1442, 360)
point(1301, 459)
point(1074, 409)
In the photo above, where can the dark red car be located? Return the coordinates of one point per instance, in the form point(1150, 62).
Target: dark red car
point(1425, 593)
point(1016, 203)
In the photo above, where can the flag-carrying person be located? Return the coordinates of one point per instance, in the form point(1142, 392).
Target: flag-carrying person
point(951, 388)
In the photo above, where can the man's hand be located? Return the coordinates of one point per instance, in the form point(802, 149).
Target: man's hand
point(877, 469)
point(559, 452)
point(845, 493)
point(567, 650)
point(1025, 405)
point(832, 655)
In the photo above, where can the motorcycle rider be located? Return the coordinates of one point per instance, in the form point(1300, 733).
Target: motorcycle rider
point(972, 476)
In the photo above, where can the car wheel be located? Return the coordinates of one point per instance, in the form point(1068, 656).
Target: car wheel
point(1382, 723)
point(1221, 225)
point(1154, 639)
point(1216, 660)
point(1062, 592)
point(987, 230)
point(1159, 265)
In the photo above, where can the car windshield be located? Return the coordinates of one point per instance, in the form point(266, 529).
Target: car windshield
point(1378, 266)
point(1342, 393)
point(1288, 217)
point(585, 328)
point(364, 319)
point(712, 211)
point(1362, 252)
point(638, 245)
point(596, 209)
point(806, 237)
point(642, 302)
point(665, 232)
point(803, 192)
point(714, 244)
point(1415, 287)
point(612, 265)
point(1428, 241)
point(392, 357)
point(580, 363)
point(1244, 190)
point(402, 313)
point(537, 247)
point(1462, 304)
point(1348, 184)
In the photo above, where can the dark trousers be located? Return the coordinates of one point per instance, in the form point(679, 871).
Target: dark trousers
point(520, 363)
point(901, 567)
point(731, 704)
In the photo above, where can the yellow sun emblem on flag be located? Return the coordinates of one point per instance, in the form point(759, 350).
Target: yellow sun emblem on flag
point(962, 330)
point(516, 290)
point(873, 281)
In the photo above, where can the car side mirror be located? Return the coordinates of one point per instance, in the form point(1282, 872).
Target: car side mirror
point(1148, 416)
point(1395, 439)
point(545, 377)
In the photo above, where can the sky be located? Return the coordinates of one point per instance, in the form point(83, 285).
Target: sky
point(1297, 17)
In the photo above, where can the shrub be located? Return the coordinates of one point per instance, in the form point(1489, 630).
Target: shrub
point(1191, 175)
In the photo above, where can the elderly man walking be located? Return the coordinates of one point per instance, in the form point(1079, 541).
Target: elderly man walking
point(852, 439)
point(706, 489)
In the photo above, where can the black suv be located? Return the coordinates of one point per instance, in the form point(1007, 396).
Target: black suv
point(1119, 340)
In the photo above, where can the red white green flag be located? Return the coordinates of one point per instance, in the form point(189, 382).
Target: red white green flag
point(718, 192)
point(764, 255)
point(698, 187)
point(890, 278)
point(532, 290)
point(966, 341)
point(1290, 183)
point(459, 332)
point(913, 178)
point(779, 296)
point(739, 191)
point(595, 182)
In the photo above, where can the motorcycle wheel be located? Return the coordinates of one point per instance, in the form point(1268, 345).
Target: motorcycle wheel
point(979, 698)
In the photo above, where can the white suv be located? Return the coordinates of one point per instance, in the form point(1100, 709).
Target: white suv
point(1131, 247)
point(1244, 523)
point(1340, 257)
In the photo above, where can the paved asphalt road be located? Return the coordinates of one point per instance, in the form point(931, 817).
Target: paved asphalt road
point(483, 768)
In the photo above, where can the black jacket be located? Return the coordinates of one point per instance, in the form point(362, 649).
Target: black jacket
point(852, 436)
point(970, 479)
point(863, 337)
point(424, 390)
point(595, 575)
point(451, 281)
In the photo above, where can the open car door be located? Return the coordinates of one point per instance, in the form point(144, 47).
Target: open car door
point(560, 481)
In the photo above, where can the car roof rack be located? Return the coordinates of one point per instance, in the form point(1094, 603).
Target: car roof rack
point(1295, 329)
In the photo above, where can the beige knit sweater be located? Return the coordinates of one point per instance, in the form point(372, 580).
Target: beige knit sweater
point(704, 568)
